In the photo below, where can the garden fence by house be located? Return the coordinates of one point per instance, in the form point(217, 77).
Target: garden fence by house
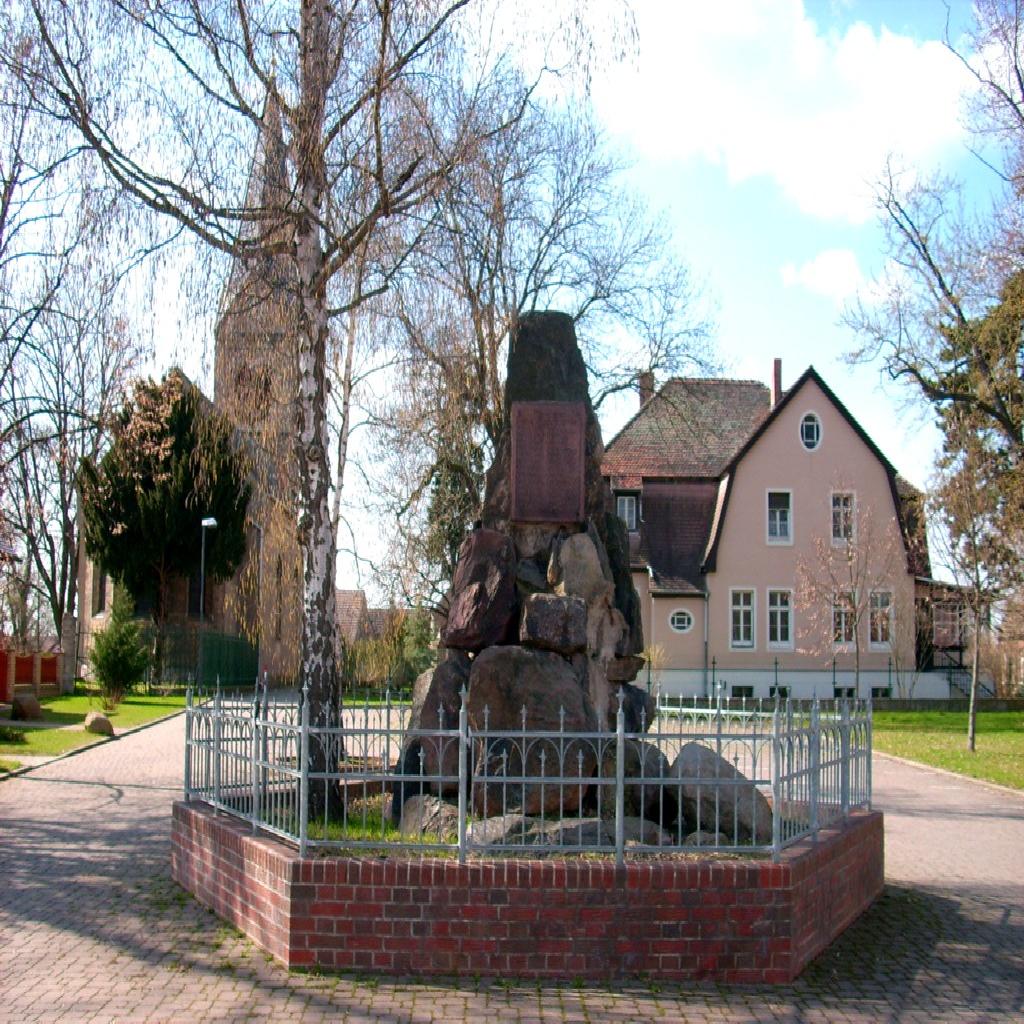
point(322, 781)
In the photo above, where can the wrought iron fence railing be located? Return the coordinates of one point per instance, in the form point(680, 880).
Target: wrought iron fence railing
point(741, 781)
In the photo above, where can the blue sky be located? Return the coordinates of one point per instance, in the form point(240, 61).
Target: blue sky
point(759, 126)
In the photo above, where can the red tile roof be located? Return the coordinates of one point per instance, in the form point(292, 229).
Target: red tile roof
point(691, 428)
point(677, 517)
point(351, 613)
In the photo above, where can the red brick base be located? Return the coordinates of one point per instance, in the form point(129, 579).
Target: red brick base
point(730, 920)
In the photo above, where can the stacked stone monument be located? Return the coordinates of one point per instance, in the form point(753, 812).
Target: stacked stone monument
point(544, 623)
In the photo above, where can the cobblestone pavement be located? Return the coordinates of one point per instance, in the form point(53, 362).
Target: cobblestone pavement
point(91, 928)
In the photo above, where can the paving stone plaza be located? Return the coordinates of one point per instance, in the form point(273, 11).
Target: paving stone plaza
point(92, 929)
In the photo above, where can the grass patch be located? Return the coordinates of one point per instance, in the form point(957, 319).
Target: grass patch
point(70, 710)
point(939, 738)
point(135, 709)
point(9, 766)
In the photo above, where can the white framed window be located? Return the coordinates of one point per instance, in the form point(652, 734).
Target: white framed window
point(780, 517)
point(881, 619)
point(780, 619)
point(741, 629)
point(625, 505)
point(947, 625)
point(681, 621)
point(844, 506)
point(810, 431)
point(844, 620)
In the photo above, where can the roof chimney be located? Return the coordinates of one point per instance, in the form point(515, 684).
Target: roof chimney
point(776, 382)
point(645, 382)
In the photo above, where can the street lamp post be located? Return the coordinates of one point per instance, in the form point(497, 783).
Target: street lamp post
point(209, 523)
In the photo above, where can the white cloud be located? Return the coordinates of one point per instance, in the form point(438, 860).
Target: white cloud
point(833, 273)
point(757, 87)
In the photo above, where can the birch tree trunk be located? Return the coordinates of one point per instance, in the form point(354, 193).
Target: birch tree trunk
point(316, 533)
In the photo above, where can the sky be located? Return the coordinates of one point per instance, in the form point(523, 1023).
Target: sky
point(759, 127)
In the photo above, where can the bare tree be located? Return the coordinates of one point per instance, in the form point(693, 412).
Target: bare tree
point(945, 315)
point(975, 547)
point(848, 590)
point(539, 218)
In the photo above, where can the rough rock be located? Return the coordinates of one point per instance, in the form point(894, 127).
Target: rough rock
point(638, 707)
point(520, 830)
point(533, 540)
point(553, 623)
point(616, 542)
point(707, 839)
point(97, 722)
point(625, 669)
point(530, 577)
point(651, 799)
point(484, 602)
point(25, 708)
point(410, 762)
point(436, 701)
point(429, 815)
point(742, 809)
point(575, 569)
point(503, 681)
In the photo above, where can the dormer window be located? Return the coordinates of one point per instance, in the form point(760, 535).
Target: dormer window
point(810, 431)
point(626, 507)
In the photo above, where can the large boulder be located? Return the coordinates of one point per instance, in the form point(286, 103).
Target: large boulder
point(97, 722)
point(638, 707)
point(429, 816)
point(436, 701)
point(484, 601)
point(648, 797)
point(503, 681)
point(25, 708)
point(708, 786)
point(521, 830)
point(553, 623)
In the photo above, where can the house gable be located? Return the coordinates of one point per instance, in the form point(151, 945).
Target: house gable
point(813, 392)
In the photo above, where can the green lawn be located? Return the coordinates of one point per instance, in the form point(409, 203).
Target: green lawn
point(939, 738)
point(71, 710)
point(8, 766)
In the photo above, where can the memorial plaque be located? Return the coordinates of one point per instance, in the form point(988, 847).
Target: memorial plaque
point(548, 449)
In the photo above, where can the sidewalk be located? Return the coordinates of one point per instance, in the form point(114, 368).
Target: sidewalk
point(91, 929)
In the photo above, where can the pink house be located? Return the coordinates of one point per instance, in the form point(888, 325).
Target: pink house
point(772, 544)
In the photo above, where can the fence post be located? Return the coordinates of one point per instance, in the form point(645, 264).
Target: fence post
point(254, 758)
point(868, 753)
point(815, 766)
point(188, 743)
point(304, 774)
point(844, 757)
point(776, 781)
point(218, 728)
point(463, 763)
point(620, 781)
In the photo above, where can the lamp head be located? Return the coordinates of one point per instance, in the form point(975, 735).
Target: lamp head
point(209, 523)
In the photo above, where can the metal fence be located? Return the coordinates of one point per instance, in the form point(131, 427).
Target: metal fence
point(742, 781)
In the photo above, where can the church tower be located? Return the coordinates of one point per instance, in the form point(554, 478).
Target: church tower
point(255, 386)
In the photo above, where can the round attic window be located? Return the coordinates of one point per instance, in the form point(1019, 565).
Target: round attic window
point(681, 620)
point(810, 431)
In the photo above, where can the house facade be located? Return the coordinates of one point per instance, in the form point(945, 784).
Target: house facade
point(772, 544)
